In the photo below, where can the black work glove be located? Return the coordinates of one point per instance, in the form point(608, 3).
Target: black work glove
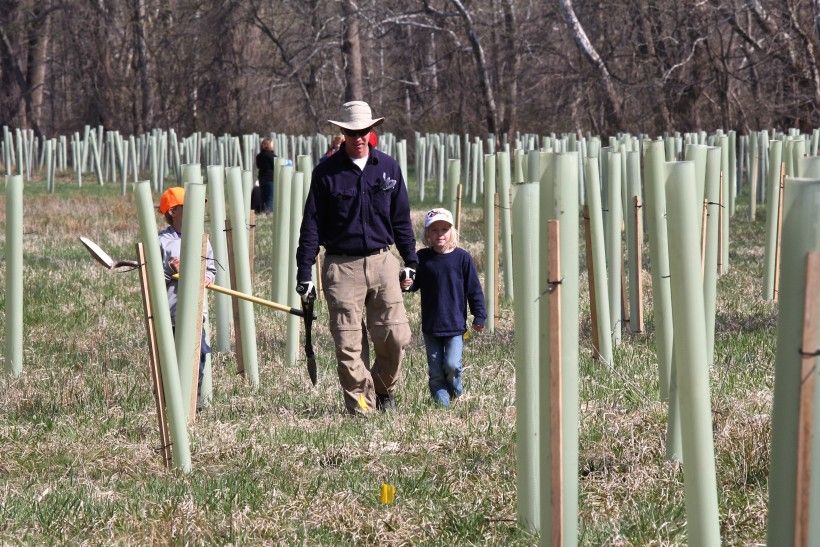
point(407, 273)
point(306, 290)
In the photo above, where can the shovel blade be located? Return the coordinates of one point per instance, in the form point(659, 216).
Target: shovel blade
point(311, 366)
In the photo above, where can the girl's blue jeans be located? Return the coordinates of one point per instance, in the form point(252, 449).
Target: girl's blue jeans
point(444, 367)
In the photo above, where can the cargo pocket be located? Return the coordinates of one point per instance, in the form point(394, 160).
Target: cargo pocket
point(388, 306)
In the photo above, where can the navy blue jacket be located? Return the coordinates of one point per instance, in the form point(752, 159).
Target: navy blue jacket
point(448, 282)
point(353, 211)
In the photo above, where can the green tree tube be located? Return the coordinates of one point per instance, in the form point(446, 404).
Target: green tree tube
point(772, 203)
point(247, 188)
point(801, 235)
point(239, 235)
point(710, 258)
point(615, 256)
point(809, 167)
point(440, 163)
point(402, 157)
point(175, 410)
point(525, 309)
point(474, 159)
point(692, 374)
point(655, 194)
point(14, 275)
point(219, 243)
point(518, 165)
point(724, 204)
point(49, 174)
point(754, 174)
point(503, 165)
point(453, 177)
point(696, 153)
point(281, 244)
point(559, 200)
point(732, 172)
point(490, 251)
point(596, 223)
point(421, 154)
point(633, 243)
point(294, 322)
point(189, 287)
point(95, 152)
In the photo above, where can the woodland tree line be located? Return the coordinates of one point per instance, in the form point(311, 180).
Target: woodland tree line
point(439, 65)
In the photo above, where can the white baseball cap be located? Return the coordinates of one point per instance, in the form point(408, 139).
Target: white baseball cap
point(437, 214)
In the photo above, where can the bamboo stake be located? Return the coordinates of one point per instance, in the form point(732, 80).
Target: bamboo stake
point(153, 361)
point(593, 304)
point(808, 375)
point(556, 391)
point(237, 325)
point(778, 239)
point(637, 206)
point(251, 240)
point(201, 302)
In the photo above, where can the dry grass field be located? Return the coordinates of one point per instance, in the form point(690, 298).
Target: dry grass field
point(284, 464)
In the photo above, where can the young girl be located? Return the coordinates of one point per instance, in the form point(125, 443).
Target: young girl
point(448, 281)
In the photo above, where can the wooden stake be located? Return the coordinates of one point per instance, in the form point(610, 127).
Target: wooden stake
point(198, 344)
point(237, 327)
point(639, 264)
point(593, 305)
point(808, 364)
point(251, 240)
point(720, 231)
point(318, 275)
point(498, 254)
point(779, 231)
point(704, 218)
point(459, 193)
point(153, 362)
point(555, 396)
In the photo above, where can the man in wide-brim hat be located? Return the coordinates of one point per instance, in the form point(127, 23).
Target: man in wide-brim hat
point(357, 208)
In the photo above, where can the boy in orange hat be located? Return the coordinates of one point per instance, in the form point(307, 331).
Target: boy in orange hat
point(171, 206)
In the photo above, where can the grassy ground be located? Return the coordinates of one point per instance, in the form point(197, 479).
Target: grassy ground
point(78, 430)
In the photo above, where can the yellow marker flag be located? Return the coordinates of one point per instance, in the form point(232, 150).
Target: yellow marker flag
point(387, 494)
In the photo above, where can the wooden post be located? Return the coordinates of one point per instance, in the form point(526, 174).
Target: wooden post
point(237, 327)
point(251, 240)
point(638, 205)
point(704, 217)
point(779, 231)
point(808, 361)
point(459, 193)
point(720, 241)
point(198, 343)
point(153, 362)
point(497, 262)
point(555, 396)
point(593, 306)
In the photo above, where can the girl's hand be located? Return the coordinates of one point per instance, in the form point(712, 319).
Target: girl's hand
point(478, 328)
point(406, 283)
point(174, 263)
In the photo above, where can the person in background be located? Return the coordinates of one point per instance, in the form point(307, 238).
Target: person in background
point(357, 208)
point(265, 164)
point(448, 281)
point(171, 206)
point(335, 145)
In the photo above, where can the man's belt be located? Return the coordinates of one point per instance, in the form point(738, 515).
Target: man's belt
point(358, 253)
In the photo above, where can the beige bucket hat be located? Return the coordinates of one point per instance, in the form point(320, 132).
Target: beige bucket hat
point(355, 116)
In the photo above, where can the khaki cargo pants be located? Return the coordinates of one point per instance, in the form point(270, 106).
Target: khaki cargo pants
point(367, 285)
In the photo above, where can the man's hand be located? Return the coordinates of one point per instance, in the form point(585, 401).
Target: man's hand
point(406, 278)
point(306, 290)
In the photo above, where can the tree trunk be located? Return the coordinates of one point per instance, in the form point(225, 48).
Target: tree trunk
point(352, 48)
point(147, 91)
point(511, 72)
point(588, 50)
point(481, 67)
